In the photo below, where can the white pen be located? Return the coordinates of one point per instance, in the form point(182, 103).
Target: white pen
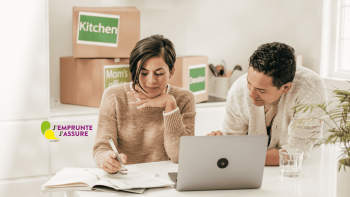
point(115, 150)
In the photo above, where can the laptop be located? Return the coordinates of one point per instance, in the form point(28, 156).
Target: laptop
point(220, 162)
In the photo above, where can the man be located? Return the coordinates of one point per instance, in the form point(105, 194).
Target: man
point(260, 102)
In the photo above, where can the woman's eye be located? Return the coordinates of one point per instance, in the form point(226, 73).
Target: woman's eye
point(144, 73)
point(159, 74)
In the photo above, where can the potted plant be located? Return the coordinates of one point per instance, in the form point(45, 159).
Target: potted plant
point(338, 119)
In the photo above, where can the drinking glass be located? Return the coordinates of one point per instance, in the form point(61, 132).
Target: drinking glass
point(290, 163)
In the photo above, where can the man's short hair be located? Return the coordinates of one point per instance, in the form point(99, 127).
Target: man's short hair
point(276, 60)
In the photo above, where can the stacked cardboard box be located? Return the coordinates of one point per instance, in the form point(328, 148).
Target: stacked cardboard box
point(100, 36)
point(191, 72)
point(83, 81)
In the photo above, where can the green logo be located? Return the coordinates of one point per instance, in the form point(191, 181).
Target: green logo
point(46, 131)
point(196, 80)
point(98, 29)
point(116, 74)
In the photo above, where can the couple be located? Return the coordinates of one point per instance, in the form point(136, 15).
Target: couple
point(147, 117)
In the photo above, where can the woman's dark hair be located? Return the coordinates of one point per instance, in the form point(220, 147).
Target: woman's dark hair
point(276, 60)
point(153, 46)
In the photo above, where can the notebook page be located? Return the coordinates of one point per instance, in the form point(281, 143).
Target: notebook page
point(134, 178)
point(69, 177)
point(105, 185)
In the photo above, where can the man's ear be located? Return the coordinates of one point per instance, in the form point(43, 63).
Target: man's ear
point(172, 72)
point(286, 87)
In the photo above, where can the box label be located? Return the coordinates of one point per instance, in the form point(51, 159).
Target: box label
point(196, 80)
point(98, 29)
point(116, 74)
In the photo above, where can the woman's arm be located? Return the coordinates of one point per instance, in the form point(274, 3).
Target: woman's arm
point(177, 123)
point(179, 118)
point(107, 125)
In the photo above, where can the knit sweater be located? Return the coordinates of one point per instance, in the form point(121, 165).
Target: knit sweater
point(243, 117)
point(143, 135)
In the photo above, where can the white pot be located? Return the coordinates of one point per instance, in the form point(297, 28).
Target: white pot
point(343, 182)
point(222, 86)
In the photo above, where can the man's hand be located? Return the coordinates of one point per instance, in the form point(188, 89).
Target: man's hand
point(215, 133)
point(272, 158)
point(109, 162)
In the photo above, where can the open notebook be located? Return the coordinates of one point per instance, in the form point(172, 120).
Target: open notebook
point(134, 180)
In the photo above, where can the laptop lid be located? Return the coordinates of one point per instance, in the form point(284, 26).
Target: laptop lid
point(221, 162)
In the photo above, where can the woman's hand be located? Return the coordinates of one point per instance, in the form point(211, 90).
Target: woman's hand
point(164, 100)
point(109, 162)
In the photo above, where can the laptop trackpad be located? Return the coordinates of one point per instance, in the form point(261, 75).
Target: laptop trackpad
point(173, 177)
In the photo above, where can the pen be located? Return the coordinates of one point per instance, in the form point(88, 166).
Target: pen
point(115, 150)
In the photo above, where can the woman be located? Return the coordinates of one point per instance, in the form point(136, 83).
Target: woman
point(145, 118)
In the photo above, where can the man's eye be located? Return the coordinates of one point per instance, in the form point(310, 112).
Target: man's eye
point(261, 91)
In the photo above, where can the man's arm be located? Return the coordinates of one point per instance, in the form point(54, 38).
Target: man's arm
point(215, 133)
point(234, 123)
point(272, 158)
point(303, 136)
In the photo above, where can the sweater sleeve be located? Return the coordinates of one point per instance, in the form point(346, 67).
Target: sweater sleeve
point(176, 124)
point(234, 123)
point(304, 136)
point(107, 125)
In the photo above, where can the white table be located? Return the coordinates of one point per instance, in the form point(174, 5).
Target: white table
point(318, 178)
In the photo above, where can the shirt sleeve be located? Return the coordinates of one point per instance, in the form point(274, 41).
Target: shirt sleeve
point(177, 123)
point(233, 123)
point(171, 112)
point(304, 136)
point(107, 126)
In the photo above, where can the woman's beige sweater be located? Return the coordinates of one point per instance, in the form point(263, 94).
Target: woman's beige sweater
point(143, 135)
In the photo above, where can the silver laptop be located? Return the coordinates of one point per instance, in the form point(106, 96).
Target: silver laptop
point(220, 162)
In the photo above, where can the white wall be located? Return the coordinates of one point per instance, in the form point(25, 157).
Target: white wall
point(227, 30)
point(24, 58)
point(24, 97)
point(300, 25)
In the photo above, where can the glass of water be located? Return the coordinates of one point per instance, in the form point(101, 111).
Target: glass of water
point(290, 163)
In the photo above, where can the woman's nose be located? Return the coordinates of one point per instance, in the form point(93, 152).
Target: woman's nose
point(152, 78)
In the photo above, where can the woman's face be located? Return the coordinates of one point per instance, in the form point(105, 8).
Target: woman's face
point(154, 77)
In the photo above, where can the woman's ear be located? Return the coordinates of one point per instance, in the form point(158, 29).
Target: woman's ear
point(172, 72)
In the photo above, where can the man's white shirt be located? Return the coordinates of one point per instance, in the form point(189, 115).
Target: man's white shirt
point(243, 117)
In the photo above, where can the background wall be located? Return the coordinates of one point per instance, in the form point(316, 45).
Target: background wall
point(227, 30)
point(300, 25)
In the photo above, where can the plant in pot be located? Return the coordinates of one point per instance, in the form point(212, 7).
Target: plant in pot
point(338, 119)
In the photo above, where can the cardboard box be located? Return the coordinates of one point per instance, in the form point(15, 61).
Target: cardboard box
point(192, 73)
point(105, 32)
point(83, 81)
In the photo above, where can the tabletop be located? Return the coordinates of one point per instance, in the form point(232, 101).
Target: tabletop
point(318, 178)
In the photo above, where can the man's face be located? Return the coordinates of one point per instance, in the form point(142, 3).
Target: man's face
point(262, 90)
